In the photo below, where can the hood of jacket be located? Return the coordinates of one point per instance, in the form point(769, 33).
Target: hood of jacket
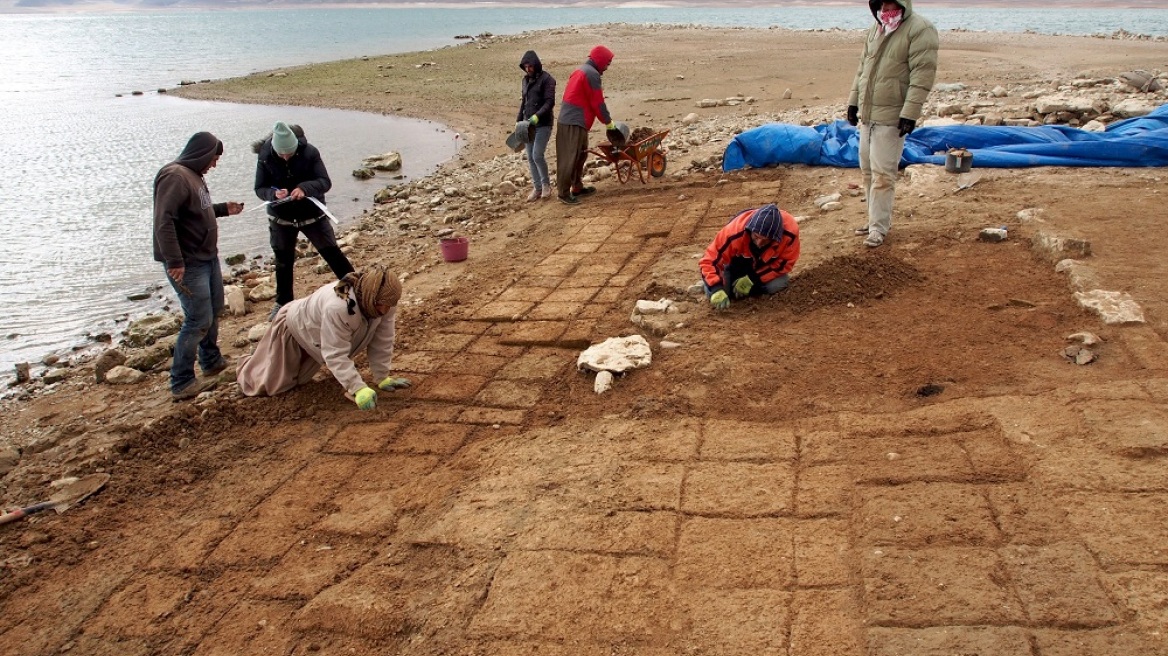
point(202, 148)
point(875, 5)
point(530, 57)
point(600, 57)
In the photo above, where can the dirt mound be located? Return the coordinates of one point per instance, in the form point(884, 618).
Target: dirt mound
point(849, 279)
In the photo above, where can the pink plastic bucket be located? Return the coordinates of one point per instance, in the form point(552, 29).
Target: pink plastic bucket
point(454, 249)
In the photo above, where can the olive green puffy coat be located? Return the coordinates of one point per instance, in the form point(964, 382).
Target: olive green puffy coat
point(896, 71)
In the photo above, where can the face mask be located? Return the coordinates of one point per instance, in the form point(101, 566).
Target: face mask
point(890, 19)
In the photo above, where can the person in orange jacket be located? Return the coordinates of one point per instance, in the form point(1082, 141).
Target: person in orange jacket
point(583, 103)
point(752, 255)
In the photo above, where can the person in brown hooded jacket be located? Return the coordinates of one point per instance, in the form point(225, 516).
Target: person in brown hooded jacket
point(186, 241)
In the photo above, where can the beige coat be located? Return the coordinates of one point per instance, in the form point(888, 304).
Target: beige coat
point(897, 70)
point(324, 328)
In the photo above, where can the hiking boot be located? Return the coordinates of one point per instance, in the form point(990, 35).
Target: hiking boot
point(569, 200)
point(548, 192)
point(874, 239)
point(275, 309)
point(861, 231)
point(193, 389)
point(219, 367)
point(534, 196)
point(583, 191)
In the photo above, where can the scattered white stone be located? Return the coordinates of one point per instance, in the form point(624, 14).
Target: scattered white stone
point(654, 307)
point(385, 162)
point(1085, 338)
point(1095, 126)
point(1112, 307)
point(257, 332)
point(263, 292)
point(992, 234)
point(55, 376)
point(506, 187)
point(617, 354)
point(1030, 214)
point(691, 118)
point(786, 94)
point(707, 102)
point(832, 206)
point(235, 300)
point(123, 375)
point(1133, 107)
point(947, 87)
point(603, 382)
point(1079, 354)
point(669, 345)
point(827, 198)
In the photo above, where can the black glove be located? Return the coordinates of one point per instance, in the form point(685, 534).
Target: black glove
point(906, 126)
point(853, 115)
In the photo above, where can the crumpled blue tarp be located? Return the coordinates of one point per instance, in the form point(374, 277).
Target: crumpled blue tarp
point(1139, 141)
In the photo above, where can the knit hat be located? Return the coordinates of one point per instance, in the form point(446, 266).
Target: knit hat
point(284, 142)
point(766, 221)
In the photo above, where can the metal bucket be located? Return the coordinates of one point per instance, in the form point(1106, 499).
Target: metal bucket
point(958, 160)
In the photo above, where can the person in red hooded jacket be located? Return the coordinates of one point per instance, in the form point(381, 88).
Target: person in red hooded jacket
point(583, 103)
point(752, 255)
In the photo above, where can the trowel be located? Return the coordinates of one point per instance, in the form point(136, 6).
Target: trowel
point(69, 495)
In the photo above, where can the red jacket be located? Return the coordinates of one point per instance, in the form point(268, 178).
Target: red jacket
point(583, 96)
point(777, 259)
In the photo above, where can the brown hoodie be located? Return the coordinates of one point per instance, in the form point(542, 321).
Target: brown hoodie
point(185, 229)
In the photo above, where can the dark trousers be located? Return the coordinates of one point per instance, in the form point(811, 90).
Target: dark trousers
point(283, 239)
point(571, 154)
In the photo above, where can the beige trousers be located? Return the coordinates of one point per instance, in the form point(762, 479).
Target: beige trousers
point(880, 148)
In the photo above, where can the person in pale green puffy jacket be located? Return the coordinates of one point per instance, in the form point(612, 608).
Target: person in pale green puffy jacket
point(896, 73)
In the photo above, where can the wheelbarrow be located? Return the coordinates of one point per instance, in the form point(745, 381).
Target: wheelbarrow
point(644, 156)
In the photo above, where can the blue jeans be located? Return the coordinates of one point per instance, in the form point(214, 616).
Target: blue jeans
point(536, 160)
point(201, 297)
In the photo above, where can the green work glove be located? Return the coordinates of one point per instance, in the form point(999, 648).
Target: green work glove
point(534, 120)
point(390, 383)
point(366, 398)
point(742, 286)
point(720, 300)
point(610, 126)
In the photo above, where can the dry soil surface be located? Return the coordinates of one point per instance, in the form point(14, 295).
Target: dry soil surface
point(892, 457)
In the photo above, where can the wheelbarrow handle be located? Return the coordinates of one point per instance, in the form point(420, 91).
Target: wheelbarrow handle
point(21, 513)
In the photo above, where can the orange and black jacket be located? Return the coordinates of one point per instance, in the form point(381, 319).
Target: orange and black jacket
point(733, 241)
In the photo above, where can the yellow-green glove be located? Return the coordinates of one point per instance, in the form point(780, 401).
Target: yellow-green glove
point(720, 300)
point(366, 398)
point(534, 120)
point(742, 286)
point(390, 383)
point(610, 126)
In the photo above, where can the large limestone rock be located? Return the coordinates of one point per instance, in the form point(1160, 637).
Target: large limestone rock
point(385, 162)
point(124, 376)
point(148, 330)
point(616, 354)
point(1112, 307)
point(1133, 107)
point(235, 300)
point(109, 359)
point(263, 292)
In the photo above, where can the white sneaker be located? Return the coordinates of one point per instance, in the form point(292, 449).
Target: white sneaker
point(534, 196)
point(874, 239)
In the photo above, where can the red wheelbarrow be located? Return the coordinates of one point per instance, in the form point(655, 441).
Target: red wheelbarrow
point(643, 156)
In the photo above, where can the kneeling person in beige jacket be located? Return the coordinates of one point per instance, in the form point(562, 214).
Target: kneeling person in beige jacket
point(328, 328)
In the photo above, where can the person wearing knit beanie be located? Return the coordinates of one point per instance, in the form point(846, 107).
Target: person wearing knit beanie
point(284, 142)
point(330, 327)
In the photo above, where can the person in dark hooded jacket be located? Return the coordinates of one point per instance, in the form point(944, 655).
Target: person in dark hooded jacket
point(583, 103)
point(186, 241)
point(535, 106)
point(289, 174)
point(752, 255)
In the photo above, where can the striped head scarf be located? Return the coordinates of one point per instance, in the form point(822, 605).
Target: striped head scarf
point(372, 287)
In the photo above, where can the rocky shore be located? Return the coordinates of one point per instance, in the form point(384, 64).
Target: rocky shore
point(480, 194)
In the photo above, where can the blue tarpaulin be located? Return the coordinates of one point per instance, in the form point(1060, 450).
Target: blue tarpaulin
point(1139, 141)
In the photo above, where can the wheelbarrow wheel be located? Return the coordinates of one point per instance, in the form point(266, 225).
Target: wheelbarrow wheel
point(657, 164)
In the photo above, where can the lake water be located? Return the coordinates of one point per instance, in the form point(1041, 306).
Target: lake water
point(75, 201)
